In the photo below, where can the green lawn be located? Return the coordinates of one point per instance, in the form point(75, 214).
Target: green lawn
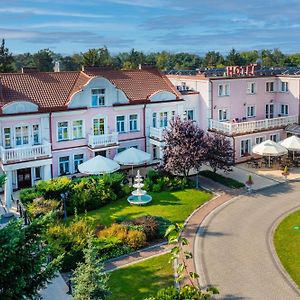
point(141, 280)
point(287, 244)
point(175, 206)
point(229, 182)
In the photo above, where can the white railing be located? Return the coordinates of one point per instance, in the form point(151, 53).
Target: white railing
point(25, 153)
point(157, 133)
point(252, 126)
point(102, 140)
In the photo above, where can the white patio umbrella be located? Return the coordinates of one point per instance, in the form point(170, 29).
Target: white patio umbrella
point(98, 165)
point(291, 143)
point(132, 157)
point(269, 148)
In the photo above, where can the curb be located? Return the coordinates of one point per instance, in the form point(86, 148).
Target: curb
point(271, 247)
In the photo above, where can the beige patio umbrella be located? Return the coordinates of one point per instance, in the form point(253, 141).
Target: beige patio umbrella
point(269, 148)
point(291, 143)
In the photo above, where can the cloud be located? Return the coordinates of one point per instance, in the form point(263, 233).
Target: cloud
point(48, 12)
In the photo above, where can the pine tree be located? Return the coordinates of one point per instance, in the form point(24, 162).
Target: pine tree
point(6, 59)
point(90, 281)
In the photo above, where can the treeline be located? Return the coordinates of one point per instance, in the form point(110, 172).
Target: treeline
point(45, 59)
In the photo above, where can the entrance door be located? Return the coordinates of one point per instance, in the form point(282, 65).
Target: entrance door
point(269, 111)
point(102, 153)
point(24, 178)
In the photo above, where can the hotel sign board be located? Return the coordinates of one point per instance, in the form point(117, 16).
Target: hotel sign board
point(249, 70)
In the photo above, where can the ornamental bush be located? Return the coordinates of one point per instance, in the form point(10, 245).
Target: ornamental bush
point(40, 207)
point(135, 239)
point(29, 194)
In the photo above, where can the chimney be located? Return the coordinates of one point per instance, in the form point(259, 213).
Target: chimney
point(56, 66)
point(26, 70)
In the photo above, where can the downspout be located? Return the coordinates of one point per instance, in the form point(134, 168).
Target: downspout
point(233, 148)
point(144, 116)
point(50, 129)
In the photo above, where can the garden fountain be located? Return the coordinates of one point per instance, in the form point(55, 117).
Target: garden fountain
point(139, 196)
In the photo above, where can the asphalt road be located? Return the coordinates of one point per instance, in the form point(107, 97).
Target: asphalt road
point(233, 248)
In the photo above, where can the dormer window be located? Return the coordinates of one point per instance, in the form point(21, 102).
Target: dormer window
point(98, 97)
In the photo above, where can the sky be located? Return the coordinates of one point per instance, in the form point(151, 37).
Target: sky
point(195, 26)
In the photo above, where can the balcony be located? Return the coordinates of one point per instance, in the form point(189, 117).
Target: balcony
point(229, 128)
point(103, 140)
point(157, 133)
point(25, 153)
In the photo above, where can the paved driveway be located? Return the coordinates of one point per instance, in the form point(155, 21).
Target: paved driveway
point(235, 252)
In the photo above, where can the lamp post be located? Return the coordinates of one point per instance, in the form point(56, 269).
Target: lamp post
point(63, 197)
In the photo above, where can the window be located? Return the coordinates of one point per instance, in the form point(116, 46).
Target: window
point(64, 165)
point(251, 88)
point(190, 114)
point(101, 153)
point(270, 86)
point(135, 146)
point(98, 126)
point(22, 135)
point(173, 113)
point(223, 115)
point(284, 109)
point(7, 137)
point(120, 124)
point(98, 97)
point(163, 119)
point(154, 119)
point(259, 139)
point(224, 89)
point(133, 122)
point(284, 86)
point(37, 173)
point(274, 137)
point(78, 159)
point(78, 129)
point(245, 147)
point(36, 134)
point(121, 149)
point(62, 131)
point(154, 152)
point(251, 111)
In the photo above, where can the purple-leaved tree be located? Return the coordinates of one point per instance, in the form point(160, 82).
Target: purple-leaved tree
point(185, 147)
point(219, 152)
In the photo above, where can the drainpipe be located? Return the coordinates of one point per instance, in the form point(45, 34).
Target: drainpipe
point(144, 116)
point(50, 129)
point(233, 148)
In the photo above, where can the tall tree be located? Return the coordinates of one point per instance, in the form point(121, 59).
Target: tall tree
point(213, 59)
point(184, 147)
point(43, 60)
point(219, 152)
point(6, 59)
point(23, 60)
point(23, 260)
point(97, 57)
point(90, 280)
point(249, 57)
point(234, 58)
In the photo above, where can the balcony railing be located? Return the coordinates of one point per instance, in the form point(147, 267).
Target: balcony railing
point(157, 133)
point(25, 153)
point(102, 140)
point(252, 126)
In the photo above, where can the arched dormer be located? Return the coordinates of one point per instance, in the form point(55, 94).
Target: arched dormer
point(18, 107)
point(100, 87)
point(162, 96)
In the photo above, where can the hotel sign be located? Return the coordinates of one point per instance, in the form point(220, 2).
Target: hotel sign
point(249, 70)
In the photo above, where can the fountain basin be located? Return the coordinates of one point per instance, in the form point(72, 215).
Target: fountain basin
point(139, 200)
point(138, 193)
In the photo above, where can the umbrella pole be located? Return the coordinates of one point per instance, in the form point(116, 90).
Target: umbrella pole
point(132, 170)
point(269, 161)
point(293, 155)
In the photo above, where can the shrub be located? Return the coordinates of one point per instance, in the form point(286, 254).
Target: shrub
point(40, 206)
point(115, 230)
point(29, 194)
point(135, 239)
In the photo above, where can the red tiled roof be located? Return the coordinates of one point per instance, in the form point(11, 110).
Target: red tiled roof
point(50, 90)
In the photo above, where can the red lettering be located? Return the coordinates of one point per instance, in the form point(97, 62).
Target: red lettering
point(237, 70)
point(229, 71)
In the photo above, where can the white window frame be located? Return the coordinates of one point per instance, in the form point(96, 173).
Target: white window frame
point(250, 147)
point(268, 86)
point(121, 149)
point(284, 109)
point(124, 122)
point(248, 109)
point(251, 88)
point(64, 163)
point(284, 86)
point(277, 137)
point(74, 137)
point(38, 132)
point(224, 89)
point(68, 131)
point(163, 117)
point(77, 161)
point(134, 121)
point(22, 135)
point(35, 175)
point(187, 111)
point(261, 137)
point(99, 96)
point(227, 114)
point(154, 119)
point(10, 137)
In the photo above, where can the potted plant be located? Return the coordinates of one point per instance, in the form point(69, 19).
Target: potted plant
point(285, 172)
point(249, 183)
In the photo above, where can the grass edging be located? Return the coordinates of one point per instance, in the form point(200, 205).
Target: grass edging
point(229, 182)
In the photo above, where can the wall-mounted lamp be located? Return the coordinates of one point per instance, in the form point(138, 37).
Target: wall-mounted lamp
point(215, 106)
point(272, 100)
point(245, 104)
